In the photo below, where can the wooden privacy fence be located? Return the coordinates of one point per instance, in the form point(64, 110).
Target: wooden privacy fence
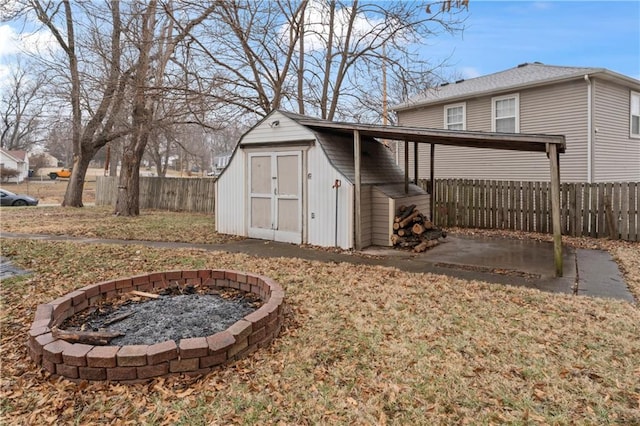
point(593, 210)
point(175, 194)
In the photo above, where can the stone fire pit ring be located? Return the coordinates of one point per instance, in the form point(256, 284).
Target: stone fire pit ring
point(137, 363)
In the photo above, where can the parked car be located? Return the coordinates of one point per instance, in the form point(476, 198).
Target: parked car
point(8, 198)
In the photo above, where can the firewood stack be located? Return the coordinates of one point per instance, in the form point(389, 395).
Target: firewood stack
point(411, 229)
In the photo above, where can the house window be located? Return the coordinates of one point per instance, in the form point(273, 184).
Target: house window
point(505, 112)
point(635, 115)
point(455, 117)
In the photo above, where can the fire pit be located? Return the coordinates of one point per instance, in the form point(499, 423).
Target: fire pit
point(140, 362)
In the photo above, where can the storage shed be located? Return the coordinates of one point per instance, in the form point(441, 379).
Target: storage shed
point(287, 182)
point(290, 175)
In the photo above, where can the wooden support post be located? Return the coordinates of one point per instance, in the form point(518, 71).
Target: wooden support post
point(357, 193)
point(415, 163)
point(432, 183)
point(406, 167)
point(554, 162)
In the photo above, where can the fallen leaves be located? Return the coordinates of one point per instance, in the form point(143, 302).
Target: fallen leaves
point(360, 345)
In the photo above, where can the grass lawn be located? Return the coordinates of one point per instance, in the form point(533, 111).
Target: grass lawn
point(49, 191)
point(100, 222)
point(360, 345)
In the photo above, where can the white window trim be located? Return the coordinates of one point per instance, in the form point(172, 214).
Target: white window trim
point(632, 135)
point(464, 114)
point(515, 96)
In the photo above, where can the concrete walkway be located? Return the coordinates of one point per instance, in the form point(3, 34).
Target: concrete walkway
point(504, 261)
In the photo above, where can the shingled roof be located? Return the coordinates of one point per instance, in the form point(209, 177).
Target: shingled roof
point(524, 75)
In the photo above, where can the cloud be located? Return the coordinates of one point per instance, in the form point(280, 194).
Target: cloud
point(470, 72)
point(9, 41)
point(39, 42)
point(317, 27)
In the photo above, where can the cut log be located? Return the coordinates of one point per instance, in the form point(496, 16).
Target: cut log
point(418, 228)
point(396, 226)
point(118, 318)
point(404, 232)
point(144, 294)
point(406, 213)
point(433, 234)
point(397, 240)
point(88, 337)
point(409, 219)
point(425, 245)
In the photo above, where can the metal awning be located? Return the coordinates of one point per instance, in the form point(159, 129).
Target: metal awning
point(552, 145)
point(506, 141)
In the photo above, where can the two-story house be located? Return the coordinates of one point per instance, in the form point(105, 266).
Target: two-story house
point(597, 110)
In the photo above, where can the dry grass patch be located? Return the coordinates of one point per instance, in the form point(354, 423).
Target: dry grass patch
point(100, 222)
point(49, 191)
point(361, 345)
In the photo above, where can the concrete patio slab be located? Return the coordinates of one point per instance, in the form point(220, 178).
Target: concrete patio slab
point(524, 263)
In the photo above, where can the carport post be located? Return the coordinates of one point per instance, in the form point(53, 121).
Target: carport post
point(415, 163)
point(356, 162)
point(406, 167)
point(554, 163)
point(432, 163)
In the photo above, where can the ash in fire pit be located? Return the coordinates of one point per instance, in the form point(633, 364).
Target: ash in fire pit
point(171, 316)
point(231, 313)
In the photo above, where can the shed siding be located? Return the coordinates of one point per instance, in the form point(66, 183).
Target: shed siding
point(321, 203)
point(366, 215)
point(381, 212)
point(384, 210)
point(286, 131)
point(231, 197)
point(555, 109)
point(616, 155)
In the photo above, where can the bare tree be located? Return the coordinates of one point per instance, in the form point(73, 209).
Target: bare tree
point(156, 43)
point(97, 126)
point(21, 109)
point(317, 57)
point(113, 75)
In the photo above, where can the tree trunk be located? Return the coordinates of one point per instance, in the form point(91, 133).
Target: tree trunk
point(127, 203)
point(75, 187)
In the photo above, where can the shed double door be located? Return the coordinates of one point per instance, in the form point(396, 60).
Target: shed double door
point(275, 196)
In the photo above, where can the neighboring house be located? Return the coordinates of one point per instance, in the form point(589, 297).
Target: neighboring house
point(597, 110)
point(16, 160)
point(219, 163)
point(46, 159)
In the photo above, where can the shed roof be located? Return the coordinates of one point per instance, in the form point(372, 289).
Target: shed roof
point(378, 163)
point(524, 75)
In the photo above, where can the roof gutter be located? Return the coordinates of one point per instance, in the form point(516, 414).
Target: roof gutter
point(589, 129)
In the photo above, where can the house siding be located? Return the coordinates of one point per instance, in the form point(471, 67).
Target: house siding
point(13, 160)
point(554, 109)
point(616, 154)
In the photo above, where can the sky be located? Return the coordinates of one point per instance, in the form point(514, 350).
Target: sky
point(500, 35)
